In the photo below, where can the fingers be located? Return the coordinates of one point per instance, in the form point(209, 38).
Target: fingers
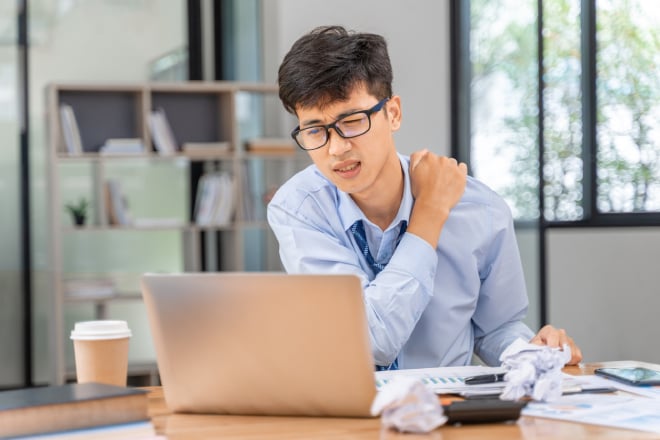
point(549, 336)
point(554, 337)
point(435, 168)
point(437, 183)
point(576, 354)
point(416, 157)
point(437, 180)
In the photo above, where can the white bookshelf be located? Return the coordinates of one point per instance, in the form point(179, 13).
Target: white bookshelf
point(218, 113)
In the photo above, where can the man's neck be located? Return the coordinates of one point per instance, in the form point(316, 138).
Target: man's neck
point(381, 204)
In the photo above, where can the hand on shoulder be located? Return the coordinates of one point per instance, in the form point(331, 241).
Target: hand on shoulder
point(437, 179)
point(557, 337)
point(437, 184)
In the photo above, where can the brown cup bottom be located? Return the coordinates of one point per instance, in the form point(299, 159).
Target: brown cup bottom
point(102, 360)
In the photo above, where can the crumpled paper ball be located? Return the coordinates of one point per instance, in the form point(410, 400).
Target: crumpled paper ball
point(533, 370)
point(407, 405)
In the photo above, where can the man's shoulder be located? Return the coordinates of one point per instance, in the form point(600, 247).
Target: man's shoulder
point(494, 209)
point(306, 183)
point(478, 192)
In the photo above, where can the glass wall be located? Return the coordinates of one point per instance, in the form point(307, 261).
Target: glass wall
point(503, 101)
point(600, 155)
point(11, 309)
point(628, 97)
point(99, 41)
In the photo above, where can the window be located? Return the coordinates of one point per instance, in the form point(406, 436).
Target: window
point(628, 97)
point(579, 108)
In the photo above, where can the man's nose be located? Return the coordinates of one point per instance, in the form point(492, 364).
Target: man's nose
point(337, 145)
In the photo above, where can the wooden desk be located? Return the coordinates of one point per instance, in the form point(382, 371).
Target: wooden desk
point(180, 426)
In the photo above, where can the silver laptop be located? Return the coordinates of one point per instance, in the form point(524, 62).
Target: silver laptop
point(261, 343)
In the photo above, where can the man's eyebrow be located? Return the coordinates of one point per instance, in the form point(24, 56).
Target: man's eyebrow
point(348, 112)
point(310, 122)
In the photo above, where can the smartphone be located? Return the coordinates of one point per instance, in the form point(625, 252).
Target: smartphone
point(632, 375)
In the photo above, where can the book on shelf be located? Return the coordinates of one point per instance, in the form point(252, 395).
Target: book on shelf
point(117, 204)
point(226, 199)
point(122, 146)
point(215, 200)
point(161, 132)
point(70, 130)
point(253, 199)
point(41, 410)
point(255, 194)
point(267, 145)
point(205, 199)
point(247, 201)
point(204, 149)
point(89, 288)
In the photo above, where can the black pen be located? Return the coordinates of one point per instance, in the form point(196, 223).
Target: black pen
point(580, 390)
point(484, 378)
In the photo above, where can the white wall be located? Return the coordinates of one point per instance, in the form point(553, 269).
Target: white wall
point(603, 288)
point(417, 33)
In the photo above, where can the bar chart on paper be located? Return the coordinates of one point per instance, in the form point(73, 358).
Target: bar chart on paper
point(445, 380)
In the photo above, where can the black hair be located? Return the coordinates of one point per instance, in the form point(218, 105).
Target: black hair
point(326, 64)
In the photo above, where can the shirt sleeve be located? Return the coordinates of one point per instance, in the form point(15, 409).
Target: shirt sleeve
point(394, 300)
point(503, 301)
point(490, 346)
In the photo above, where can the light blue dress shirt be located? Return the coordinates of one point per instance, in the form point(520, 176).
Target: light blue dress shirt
point(428, 307)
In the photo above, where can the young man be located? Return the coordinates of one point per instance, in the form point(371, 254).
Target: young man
point(434, 248)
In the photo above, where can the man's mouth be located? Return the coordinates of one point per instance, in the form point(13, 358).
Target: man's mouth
point(348, 168)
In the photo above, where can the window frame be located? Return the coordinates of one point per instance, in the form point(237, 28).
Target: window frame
point(460, 72)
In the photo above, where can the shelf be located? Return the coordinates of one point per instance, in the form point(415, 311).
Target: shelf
point(271, 156)
point(104, 299)
point(184, 227)
point(110, 228)
point(155, 156)
point(214, 120)
point(256, 224)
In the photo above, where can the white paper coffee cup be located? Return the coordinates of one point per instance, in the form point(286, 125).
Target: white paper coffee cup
point(101, 351)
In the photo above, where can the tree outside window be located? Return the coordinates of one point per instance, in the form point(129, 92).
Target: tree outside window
point(504, 104)
point(628, 87)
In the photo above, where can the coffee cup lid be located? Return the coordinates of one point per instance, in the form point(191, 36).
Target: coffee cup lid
point(107, 329)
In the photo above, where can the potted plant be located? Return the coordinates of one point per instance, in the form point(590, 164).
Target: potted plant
point(78, 211)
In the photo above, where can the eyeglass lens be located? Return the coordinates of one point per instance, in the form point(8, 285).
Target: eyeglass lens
point(350, 126)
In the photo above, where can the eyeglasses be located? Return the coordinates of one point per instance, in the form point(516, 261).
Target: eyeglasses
point(349, 126)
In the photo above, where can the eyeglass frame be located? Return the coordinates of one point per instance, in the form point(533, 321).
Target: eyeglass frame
point(375, 109)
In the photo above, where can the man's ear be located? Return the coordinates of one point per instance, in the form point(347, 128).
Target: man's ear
point(394, 112)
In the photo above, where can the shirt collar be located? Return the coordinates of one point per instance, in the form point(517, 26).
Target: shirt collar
point(349, 212)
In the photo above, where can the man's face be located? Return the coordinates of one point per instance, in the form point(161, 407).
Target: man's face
point(359, 165)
